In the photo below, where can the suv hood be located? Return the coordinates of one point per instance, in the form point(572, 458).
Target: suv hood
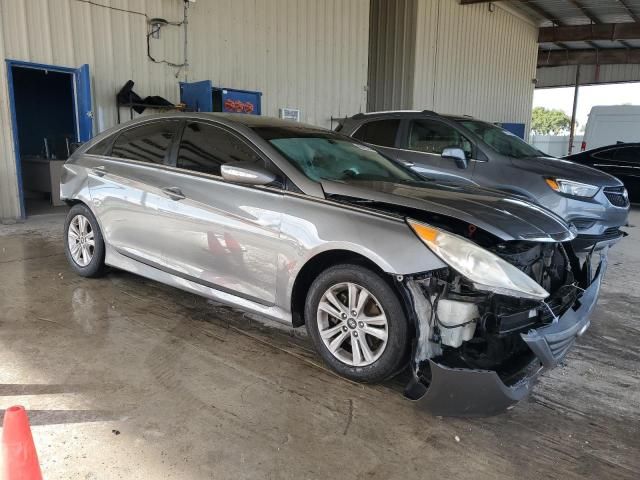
point(560, 168)
point(508, 218)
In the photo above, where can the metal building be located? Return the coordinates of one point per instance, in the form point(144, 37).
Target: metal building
point(325, 58)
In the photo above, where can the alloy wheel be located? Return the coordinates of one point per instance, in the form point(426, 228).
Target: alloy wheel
point(81, 240)
point(352, 324)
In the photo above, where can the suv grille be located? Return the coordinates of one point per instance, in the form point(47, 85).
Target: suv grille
point(616, 196)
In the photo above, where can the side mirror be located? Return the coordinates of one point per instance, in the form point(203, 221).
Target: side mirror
point(457, 154)
point(246, 173)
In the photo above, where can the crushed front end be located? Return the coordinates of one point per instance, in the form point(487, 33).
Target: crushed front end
point(478, 351)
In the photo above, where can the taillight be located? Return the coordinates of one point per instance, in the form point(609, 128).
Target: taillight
point(583, 147)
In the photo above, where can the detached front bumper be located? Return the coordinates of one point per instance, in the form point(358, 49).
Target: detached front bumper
point(466, 392)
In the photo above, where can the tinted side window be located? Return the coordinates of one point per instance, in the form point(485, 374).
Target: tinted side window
point(204, 148)
point(609, 154)
point(628, 154)
point(380, 132)
point(146, 143)
point(433, 137)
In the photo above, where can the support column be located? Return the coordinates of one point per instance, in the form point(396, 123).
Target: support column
point(572, 133)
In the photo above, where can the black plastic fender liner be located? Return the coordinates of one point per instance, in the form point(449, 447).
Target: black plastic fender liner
point(463, 392)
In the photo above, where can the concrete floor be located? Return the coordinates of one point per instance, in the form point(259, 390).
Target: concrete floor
point(127, 378)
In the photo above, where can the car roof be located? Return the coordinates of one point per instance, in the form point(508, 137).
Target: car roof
point(231, 119)
point(407, 114)
point(612, 146)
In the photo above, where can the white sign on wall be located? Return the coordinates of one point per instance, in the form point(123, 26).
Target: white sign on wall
point(290, 114)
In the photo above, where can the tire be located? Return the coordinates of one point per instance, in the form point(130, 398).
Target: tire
point(384, 357)
point(84, 235)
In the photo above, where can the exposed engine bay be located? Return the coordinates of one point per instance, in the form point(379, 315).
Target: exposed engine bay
point(461, 326)
point(503, 307)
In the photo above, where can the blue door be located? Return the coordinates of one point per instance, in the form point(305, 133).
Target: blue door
point(197, 96)
point(83, 103)
point(82, 109)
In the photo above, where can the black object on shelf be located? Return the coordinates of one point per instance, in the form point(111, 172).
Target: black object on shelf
point(127, 98)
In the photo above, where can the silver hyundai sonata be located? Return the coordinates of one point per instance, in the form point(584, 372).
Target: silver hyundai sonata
point(472, 292)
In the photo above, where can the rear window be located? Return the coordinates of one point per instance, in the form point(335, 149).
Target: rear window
point(379, 132)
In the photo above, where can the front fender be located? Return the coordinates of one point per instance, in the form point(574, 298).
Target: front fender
point(322, 226)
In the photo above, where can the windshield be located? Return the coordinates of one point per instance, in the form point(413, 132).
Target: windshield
point(324, 155)
point(502, 141)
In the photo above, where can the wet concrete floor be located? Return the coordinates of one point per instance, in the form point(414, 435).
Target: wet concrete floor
point(127, 378)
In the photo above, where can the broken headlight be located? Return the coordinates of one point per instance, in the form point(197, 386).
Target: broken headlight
point(486, 270)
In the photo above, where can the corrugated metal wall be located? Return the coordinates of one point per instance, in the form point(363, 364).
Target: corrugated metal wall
point(307, 54)
point(473, 61)
point(392, 42)
point(589, 75)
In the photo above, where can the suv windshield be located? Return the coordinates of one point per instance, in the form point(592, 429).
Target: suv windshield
point(502, 141)
point(324, 155)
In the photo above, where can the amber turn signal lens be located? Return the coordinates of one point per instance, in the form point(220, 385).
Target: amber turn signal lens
point(425, 233)
point(553, 184)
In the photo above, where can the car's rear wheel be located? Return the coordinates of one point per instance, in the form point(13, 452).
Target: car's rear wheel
point(84, 246)
point(357, 323)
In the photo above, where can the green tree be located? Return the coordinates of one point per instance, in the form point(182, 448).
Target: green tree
point(550, 121)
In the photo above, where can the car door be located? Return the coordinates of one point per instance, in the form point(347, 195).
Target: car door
point(216, 233)
point(424, 139)
point(126, 188)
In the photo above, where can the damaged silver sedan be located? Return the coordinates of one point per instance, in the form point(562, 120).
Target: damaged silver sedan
point(475, 293)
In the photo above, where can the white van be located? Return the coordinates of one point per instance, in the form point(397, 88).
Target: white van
point(610, 125)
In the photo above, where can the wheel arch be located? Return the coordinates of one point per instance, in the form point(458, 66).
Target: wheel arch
point(321, 262)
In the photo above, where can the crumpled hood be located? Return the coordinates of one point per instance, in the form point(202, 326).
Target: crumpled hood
point(560, 168)
point(508, 218)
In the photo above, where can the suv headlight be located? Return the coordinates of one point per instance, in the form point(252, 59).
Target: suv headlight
point(569, 187)
point(486, 270)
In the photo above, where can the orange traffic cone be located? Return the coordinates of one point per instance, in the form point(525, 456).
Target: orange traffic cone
point(18, 450)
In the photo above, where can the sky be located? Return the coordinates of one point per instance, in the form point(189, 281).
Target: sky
point(589, 96)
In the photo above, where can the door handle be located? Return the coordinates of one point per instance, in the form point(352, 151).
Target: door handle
point(408, 164)
point(99, 171)
point(174, 193)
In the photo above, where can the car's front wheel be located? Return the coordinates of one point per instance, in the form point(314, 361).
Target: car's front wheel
point(357, 323)
point(84, 246)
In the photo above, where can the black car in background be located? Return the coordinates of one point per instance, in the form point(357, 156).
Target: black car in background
point(621, 160)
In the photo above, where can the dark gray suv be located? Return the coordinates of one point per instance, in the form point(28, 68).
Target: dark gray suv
point(462, 149)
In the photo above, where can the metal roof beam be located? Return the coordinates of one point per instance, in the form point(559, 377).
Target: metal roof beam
point(629, 11)
point(594, 19)
point(584, 33)
point(556, 58)
point(585, 11)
